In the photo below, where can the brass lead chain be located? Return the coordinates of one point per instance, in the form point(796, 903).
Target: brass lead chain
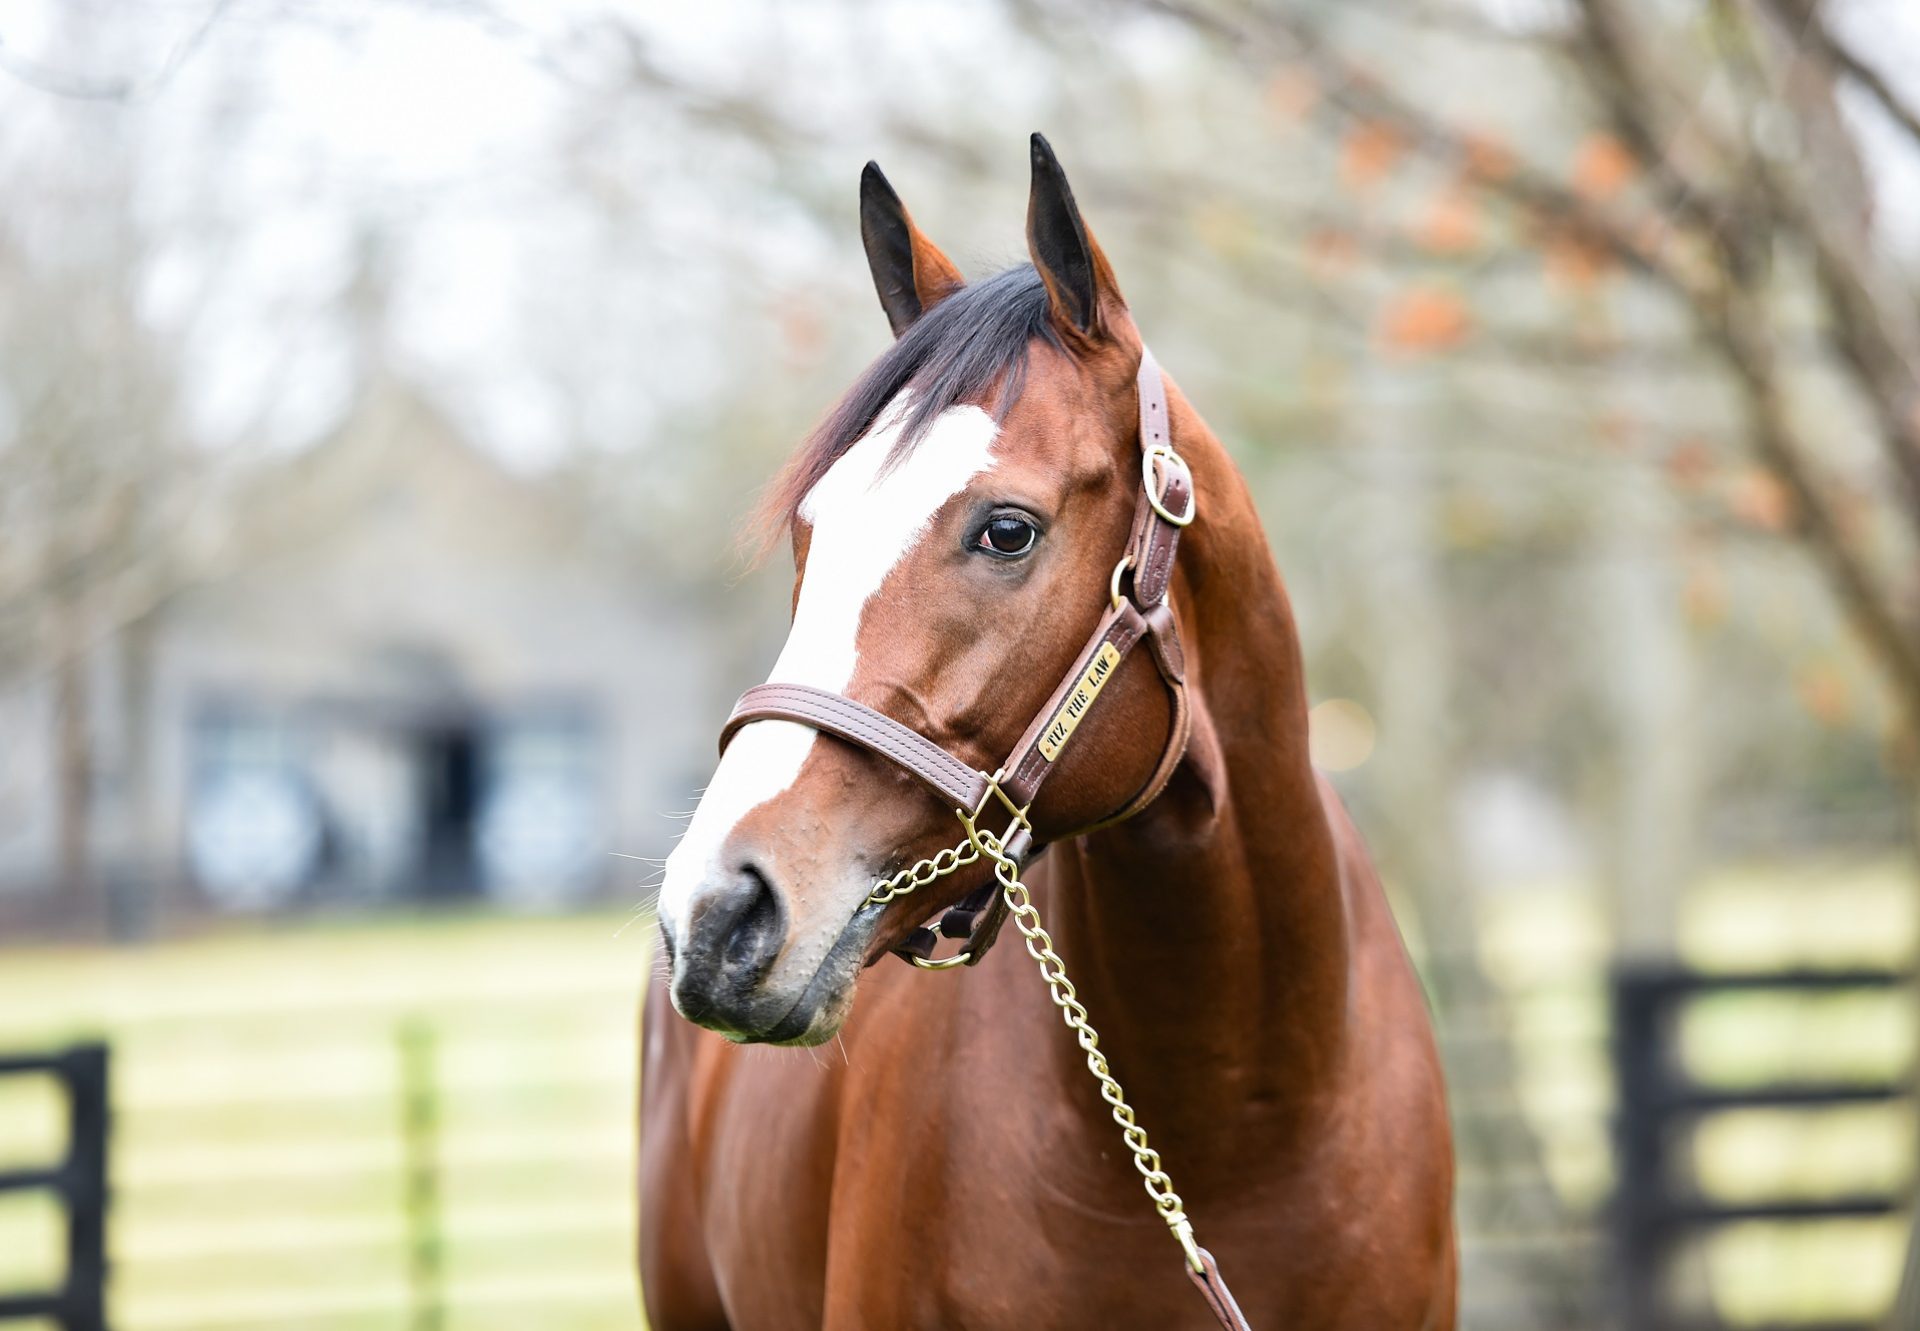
point(1039, 943)
point(919, 875)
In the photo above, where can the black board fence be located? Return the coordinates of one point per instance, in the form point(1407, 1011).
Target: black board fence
point(1657, 1212)
point(78, 1181)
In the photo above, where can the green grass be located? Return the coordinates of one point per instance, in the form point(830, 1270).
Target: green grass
point(260, 1169)
point(260, 1164)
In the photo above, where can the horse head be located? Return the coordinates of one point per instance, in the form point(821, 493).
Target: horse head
point(955, 522)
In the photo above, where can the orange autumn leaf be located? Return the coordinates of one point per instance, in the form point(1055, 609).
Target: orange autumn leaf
point(1331, 251)
point(1573, 262)
point(1602, 167)
point(1370, 152)
point(1423, 320)
point(1689, 464)
point(1760, 500)
point(1487, 158)
point(1450, 225)
point(1823, 692)
point(1291, 93)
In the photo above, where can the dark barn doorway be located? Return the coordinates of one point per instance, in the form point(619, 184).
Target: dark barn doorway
point(450, 761)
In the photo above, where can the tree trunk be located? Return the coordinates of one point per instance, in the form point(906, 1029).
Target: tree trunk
point(73, 784)
point(1648, 679)
point(136, 888)
point(1506, 1199)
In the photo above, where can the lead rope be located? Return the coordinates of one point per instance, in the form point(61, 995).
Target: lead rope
point(1026, 918)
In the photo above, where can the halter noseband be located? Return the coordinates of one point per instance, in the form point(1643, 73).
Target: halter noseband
point(1137, 611)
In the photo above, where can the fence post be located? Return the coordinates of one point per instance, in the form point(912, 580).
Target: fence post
point(1640, 1179)
point(85, 1168)
point(1656, 1214)
point(420, 1133)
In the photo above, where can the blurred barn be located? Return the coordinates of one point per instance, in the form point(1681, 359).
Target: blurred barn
point(415, 677)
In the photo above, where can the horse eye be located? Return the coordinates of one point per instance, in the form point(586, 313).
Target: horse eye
point(1008, 535)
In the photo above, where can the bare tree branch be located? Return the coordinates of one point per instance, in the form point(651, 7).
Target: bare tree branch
point(122, 89)
point(1878, 340)
point(1742, 330)
point(1357, 93)
point(1807, 15)
point(1705, 252)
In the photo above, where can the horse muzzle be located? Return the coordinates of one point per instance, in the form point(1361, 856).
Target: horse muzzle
point(739, 969)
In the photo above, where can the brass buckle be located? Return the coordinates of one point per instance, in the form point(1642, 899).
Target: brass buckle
point(994, 848)
point(1113, 585)
point(1156, 494)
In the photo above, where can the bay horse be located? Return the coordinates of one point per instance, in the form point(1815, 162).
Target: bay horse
point(945, 1160)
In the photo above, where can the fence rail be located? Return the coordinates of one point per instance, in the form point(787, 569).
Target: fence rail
point(78, 1181)
point(428, 1167)
point(455, 1165)
point(1657, 1209)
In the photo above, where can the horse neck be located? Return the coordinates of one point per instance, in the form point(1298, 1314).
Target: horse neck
point(1208, 935)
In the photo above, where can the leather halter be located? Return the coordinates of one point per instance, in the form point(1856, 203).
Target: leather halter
point(1138, 611)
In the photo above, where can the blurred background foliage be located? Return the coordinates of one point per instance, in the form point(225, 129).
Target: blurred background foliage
point(379, 385)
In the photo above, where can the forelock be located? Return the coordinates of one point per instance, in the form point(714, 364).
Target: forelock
point(973, 343)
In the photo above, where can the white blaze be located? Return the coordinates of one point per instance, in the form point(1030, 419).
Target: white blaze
point(863, 525)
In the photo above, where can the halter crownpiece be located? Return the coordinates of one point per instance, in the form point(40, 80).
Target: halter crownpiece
point(1137, 611)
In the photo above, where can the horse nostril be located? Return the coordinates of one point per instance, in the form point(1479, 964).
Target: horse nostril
point(741, 926)
point(758, 931)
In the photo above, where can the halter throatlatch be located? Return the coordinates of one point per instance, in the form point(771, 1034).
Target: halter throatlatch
point(1137, 611)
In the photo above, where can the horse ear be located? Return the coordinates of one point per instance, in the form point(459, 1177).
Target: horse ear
point(1081, 291)
point(909, 271)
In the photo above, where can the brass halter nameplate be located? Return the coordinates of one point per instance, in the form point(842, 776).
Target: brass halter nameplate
point(1085, 690)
